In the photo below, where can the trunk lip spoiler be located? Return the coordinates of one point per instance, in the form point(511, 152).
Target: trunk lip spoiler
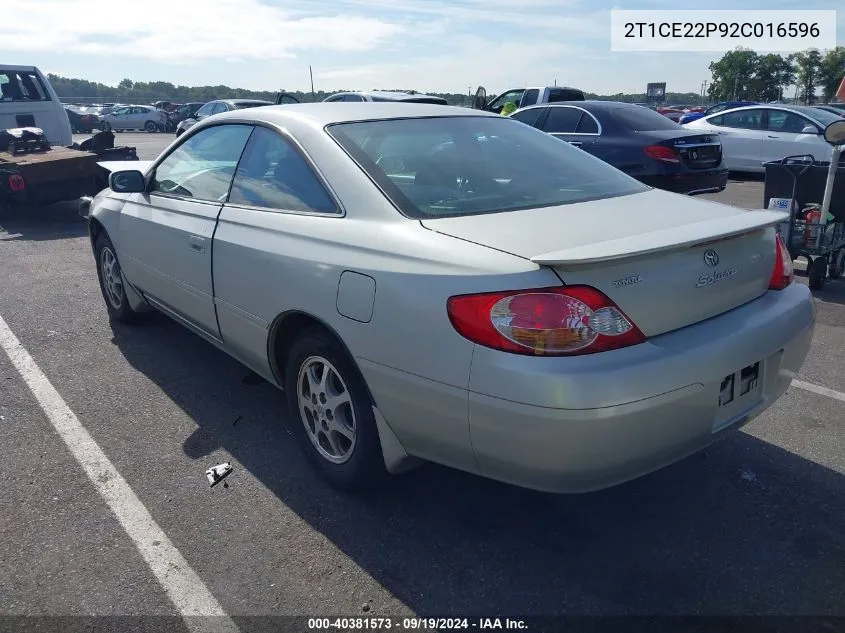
point(674, 238)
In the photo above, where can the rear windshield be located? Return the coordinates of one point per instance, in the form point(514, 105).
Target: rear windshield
point(468, 165)
point(822, 116)
point(641, 119)
point(16, 85)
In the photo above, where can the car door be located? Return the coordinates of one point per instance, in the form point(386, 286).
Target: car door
point(785, 136)
point(118, 118)
point(741, 133)
point(276, 214)
point(139, 117)
point(165, 234)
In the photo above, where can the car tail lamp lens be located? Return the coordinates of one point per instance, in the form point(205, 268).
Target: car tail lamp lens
point(783, 273)
point(565, 321)
point(662, 153)
point(16, 182)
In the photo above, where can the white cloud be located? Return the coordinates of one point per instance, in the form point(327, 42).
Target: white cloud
point(467, 60)
point(184, 30)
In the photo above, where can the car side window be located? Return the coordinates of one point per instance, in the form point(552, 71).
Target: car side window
point(562, 120)
point(206, 110)
point(529, 116)
point(202, 167)
point(743, 119)
point(514, 96)
point(353, 98)
point(587, 125)
point(220, 107)
point(787, 122)
point(273, 175)
point(530, 97)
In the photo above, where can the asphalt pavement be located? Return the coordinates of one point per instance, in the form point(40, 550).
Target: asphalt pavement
point(754, 525)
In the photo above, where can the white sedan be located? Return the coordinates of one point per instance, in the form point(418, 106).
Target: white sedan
point(135, 118)
point(754, 135)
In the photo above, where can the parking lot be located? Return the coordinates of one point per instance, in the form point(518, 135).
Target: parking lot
point(752, 526)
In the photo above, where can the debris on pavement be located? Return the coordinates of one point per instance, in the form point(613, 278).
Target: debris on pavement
point(218, 473)
point(747, 475)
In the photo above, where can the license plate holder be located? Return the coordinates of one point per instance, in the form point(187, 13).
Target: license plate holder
point(738, 393)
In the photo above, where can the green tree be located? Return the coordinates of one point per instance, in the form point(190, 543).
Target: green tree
point(808, 64)
point(831, 71)
point(773, 73)
point(733, 75)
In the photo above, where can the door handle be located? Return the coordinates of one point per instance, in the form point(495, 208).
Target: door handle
point(770, 136)
point(197, 244)
point(576, 143)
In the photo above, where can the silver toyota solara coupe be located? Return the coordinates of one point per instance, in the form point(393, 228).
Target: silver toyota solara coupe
point(441, 284)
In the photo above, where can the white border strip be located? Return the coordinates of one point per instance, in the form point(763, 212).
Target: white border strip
point(181, 583)
point(822, 391)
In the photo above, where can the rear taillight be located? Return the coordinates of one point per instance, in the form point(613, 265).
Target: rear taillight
point(783, 273)
point(662, 153)
point(562, 321)
point(16, 182)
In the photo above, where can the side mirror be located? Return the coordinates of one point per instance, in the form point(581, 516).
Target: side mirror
point(835, 133)
point(129, 181)
point(810, 129)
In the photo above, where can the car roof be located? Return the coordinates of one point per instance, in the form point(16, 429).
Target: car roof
point(387, 94)
point(324, 113)
point(596, 103)
point(235, 101)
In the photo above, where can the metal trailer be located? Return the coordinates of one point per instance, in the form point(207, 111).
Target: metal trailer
point(822, 244)
point(45, 175)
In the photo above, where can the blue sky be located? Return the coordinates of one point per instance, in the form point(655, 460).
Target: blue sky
point(427, 45)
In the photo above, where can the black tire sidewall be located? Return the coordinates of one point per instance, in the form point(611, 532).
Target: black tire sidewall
point(365, 468)
point(817, 273)
point(125, 314)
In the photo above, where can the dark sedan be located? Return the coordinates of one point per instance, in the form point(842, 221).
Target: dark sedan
point(637, 141)
point(82, 122)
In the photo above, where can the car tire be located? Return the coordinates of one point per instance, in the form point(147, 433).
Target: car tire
point(150, 126)
point(837, 264)
point(111, 282)
point(816, 273)
point(341, 441)
point(105, 127)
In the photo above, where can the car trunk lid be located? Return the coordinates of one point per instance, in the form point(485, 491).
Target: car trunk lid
point(667, 260)
point(696, 151)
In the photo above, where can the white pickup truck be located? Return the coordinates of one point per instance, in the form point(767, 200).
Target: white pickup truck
point(523, 97)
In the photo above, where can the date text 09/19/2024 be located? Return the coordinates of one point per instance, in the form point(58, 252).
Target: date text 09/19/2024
point(414, 624)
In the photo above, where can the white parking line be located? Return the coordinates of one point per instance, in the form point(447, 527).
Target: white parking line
point(822, 391)
point(181, 583)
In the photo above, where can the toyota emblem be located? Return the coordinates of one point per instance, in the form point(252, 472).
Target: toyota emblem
point(711, 258)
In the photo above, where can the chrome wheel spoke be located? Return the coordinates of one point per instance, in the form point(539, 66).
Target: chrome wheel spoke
point(325, 407)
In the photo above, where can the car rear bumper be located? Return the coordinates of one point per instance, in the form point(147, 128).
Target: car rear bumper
point(570, 425)
point(692, 182)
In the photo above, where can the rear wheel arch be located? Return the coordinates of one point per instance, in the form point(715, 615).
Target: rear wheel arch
point(286, 328)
